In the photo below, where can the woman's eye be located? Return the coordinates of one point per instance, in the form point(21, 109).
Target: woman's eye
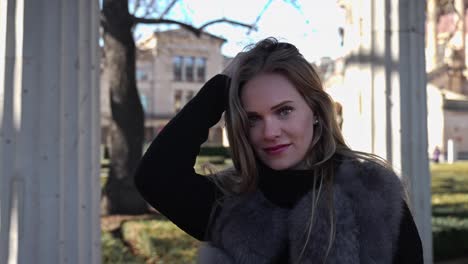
point(285, 111)
point(252, 120)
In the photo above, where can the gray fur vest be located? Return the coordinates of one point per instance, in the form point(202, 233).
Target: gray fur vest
point(368, 209)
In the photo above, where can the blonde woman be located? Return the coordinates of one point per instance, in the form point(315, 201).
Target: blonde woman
point(297, 193)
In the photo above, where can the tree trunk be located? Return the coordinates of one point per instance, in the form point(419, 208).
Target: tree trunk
point(127, 123)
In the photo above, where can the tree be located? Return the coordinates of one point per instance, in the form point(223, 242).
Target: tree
point(127, 124)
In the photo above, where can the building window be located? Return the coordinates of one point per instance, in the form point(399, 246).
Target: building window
point(189, 69)
point(178, 100)
point(177, 61)
point(201, 69)
point(141, 75)
point(189, 96)
point(189, 63)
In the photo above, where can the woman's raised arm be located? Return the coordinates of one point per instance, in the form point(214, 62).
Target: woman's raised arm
point(165, 176)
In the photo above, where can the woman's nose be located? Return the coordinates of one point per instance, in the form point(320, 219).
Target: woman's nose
point(271, 129)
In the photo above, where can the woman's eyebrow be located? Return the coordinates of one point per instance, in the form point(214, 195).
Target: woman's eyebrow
point(272, 108)
point(280, 104)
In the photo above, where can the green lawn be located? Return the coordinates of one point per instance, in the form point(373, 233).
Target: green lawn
point(156, 240)
point(450, 210)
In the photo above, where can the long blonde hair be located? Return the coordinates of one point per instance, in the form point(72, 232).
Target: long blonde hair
point(272, 56)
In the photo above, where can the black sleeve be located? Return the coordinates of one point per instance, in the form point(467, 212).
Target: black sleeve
point(165, 176)
point(409, 246)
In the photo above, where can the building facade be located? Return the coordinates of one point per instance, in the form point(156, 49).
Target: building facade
point(171, 67)
point(447, 60)
point(447, 86)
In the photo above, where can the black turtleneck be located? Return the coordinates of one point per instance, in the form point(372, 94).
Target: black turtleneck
point(285, 188)
point(167, 180)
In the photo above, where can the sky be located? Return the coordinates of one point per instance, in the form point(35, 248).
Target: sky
point(312, 26)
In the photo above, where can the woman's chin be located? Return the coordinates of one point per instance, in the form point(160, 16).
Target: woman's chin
point(278, 166)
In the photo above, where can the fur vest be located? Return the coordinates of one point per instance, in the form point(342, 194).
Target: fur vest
point(368, 204)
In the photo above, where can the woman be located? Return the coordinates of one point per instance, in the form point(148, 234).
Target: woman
point(297, 193)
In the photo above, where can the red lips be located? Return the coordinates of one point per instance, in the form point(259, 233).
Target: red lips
point(274, 150)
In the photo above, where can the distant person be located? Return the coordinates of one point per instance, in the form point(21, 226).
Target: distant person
point(436, 155)
point(297, 193)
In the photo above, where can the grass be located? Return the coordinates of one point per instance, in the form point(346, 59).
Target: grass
point(450, 210)
point(157, 240)
point(115, 251)
point(149, 241)
point(450, 190)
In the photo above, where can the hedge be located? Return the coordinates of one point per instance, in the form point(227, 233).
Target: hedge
point(215, 151)
point(450, 237)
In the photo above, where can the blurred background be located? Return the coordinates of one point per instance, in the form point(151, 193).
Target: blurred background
point(85, 86)
point(173, 61)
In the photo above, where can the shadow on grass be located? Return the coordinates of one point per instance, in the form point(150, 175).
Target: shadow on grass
point(450, 237)
point(459, 210)
point(170, 249)
point(159, 241)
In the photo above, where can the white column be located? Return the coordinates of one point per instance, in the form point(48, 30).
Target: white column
point(388, 68)
point(410, 111)
point(49, 132)
point(451, 151)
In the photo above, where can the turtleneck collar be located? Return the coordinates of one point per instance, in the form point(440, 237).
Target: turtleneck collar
point(285, 187)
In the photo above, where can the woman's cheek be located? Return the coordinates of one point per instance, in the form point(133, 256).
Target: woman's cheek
point(254, 135)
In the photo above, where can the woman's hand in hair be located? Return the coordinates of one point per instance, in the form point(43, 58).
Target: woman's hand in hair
point(233, 65)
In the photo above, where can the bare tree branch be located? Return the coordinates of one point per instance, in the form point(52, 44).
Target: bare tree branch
point(196, 31)
point(141, 20)
point(229, 21)
point(261, 14)
point(149, 8)
point(294, 3)
point(137, 6)
point(168, 8)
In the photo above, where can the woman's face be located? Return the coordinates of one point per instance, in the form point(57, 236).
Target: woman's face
point(281, 124)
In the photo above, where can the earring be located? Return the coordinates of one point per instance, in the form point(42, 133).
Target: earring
point(316, 121)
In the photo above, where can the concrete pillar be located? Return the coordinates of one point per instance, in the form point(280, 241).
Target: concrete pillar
point(452, 152)
point(387, 70)
point(49, 132)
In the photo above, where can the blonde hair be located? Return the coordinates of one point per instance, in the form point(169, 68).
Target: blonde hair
point(271, 56)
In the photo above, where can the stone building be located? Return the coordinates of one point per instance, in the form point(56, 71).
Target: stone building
point(171, 67)
point(447, 60)
point(447, 86)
